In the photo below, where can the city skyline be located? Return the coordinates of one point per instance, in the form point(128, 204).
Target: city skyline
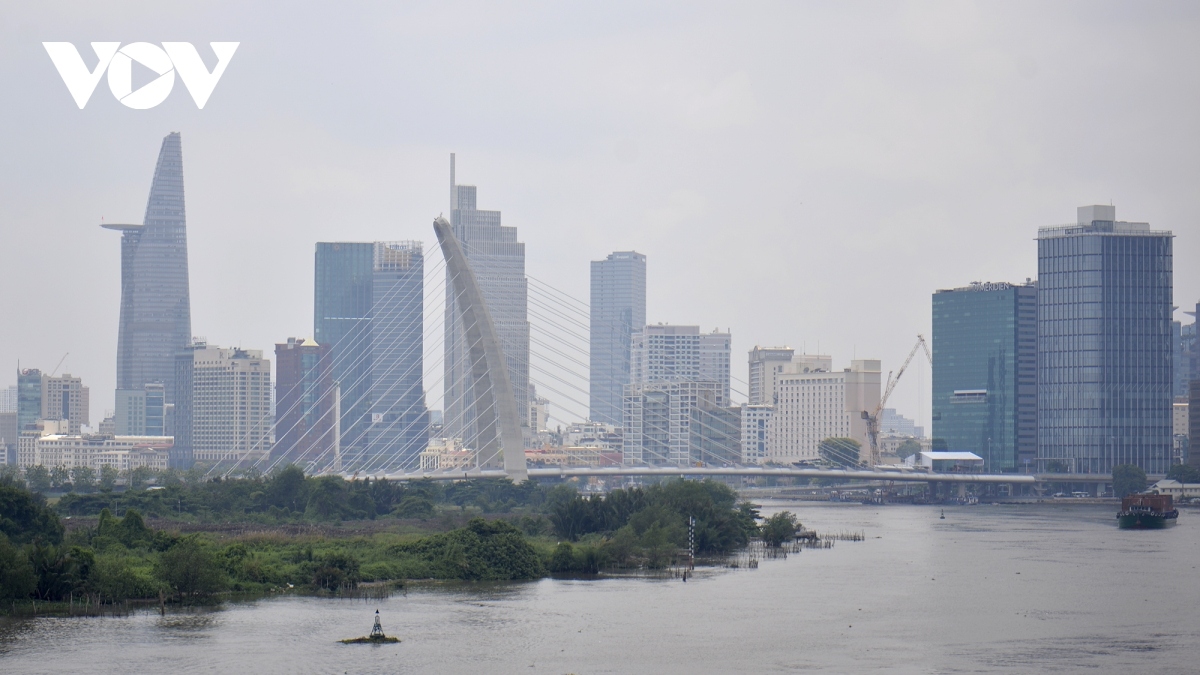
point(744, 189)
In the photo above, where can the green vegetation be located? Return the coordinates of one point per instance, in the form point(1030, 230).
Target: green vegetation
point(1128, 479)
point(780, 528)
point(296, 544)
point(841, 452)
point(290, 496)
point(1184, 473)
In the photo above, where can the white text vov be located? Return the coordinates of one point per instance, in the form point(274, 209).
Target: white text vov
point(172, 57)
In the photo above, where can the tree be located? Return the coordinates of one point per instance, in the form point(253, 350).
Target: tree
point(108, 477)
point(780, 528)
point(1184, 473)
point(138, 477)
point(190, 569)
point(909, 447)
point(84, 477)
point(1128, 479)
point(17, 580)
point(841, 452)
point(25, 517)
point(38, 478)
point(59, 476)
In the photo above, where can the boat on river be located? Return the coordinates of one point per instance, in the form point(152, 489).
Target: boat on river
point(1146, 512)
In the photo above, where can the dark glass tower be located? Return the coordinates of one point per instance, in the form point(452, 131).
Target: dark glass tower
point(1104, 345)
point(399, 429)
point(156, 315)
point(342, 319)
point(618, 308)
point(985, 373)
point(369, 309)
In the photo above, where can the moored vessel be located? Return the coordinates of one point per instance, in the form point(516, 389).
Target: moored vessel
point(1147, 512)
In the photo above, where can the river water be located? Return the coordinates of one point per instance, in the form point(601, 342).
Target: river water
point(989, 589)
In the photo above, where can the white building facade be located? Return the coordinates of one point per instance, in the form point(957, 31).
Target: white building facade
point(814, 402)
point(231, 404)
point(756, 423)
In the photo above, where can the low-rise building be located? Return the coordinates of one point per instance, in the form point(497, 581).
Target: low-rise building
point(47, 446)
point(1176, 489)
point(963, 462)
point(446, 453)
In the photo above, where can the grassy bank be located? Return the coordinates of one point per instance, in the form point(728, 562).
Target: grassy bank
point(294, 533)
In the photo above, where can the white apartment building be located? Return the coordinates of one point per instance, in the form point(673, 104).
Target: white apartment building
point(756, 423)
point(813, 402)
point(670, 353)
point(231, 404)
point(658, 420)
point(1180, 419)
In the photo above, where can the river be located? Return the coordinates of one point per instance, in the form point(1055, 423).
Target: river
point(989, 589)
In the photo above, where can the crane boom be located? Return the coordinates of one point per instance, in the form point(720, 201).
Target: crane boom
point(873, 417)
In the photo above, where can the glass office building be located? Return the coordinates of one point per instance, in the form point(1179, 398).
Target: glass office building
point(618, 308)
point(1104, 345)
point(399, 425)
point(985, 373)
point(156, 315)
point(343, 297)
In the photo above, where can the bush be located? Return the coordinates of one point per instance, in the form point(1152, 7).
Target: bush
point(779, 528)
point(24, 516)
point(480, 551)
point(190, 569)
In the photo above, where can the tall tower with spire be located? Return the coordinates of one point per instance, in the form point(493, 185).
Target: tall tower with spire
point(498, 260)
point(156, 315)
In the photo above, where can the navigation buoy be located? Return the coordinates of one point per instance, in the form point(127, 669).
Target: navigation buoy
point(943, 516)
point(376, 636)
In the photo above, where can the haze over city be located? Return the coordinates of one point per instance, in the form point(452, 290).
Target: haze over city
point(799, 174)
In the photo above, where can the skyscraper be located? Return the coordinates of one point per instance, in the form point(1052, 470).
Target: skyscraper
point(1104, 344)
point(342, 302)
point(618, 308)
point(156, 318)
point(985, 372)
point(399, 429)
point(498, 261)
point(369, 309)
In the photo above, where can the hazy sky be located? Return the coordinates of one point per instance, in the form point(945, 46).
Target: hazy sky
point(800, 172)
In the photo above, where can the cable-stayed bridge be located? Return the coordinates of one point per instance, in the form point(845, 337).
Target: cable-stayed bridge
point(559, 335)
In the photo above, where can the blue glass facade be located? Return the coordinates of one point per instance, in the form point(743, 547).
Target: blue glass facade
point(342, 319)
point(618, 308)
point(1104, 345)
point(985, 373)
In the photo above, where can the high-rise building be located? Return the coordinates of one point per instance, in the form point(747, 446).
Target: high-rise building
point(369, 309)
point(141, 412)
point(156, 319)
point(343, 300)
point(498, 261)
point(29, 397)
point(8, 399)
point(231, 405)
point(715, 361)
point(985, 372)
point(814, 402)
point(618, 308)
point(9, 435)
point(765, 363)
point(303, 403)
point(181, 456)
point(399, 424)
point(45, 397)
point(1104, 345)
point(658, 420)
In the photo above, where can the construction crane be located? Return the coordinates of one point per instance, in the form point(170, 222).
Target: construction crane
point(872, 418)
point(60, 362)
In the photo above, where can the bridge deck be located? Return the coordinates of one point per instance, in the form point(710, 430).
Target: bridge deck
point(845, 474)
